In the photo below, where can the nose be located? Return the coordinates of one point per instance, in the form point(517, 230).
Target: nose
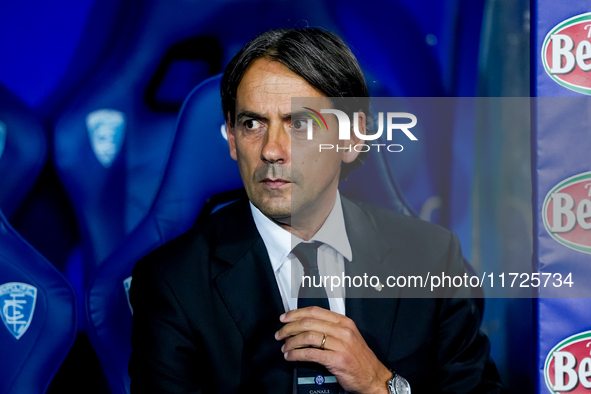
point(276, 145)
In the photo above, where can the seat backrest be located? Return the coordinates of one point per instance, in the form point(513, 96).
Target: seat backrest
point(113, 142)
point(37, 304)
point(23, 150)
point(199, 139)
point(38, 311)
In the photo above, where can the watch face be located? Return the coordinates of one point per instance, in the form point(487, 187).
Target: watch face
point(399, 385)
point(402, 386)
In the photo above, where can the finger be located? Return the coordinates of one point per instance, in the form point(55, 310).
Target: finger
point(310, 354)
point(311, 339)
point(311, 311)
point(305, 325)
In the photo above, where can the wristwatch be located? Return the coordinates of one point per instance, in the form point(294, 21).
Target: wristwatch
point(398, 385)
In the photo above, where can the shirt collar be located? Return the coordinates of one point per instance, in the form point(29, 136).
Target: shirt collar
point(279, 242)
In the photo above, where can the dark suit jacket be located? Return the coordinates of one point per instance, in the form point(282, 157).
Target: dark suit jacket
point(206, 308)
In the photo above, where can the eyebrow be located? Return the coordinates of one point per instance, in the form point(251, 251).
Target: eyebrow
point(253, 115)
point(300, 114)
point(249, 114)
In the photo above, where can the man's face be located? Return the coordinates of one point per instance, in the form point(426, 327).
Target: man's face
point(283, 173)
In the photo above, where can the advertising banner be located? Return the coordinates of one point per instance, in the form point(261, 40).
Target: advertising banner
point(561, 54)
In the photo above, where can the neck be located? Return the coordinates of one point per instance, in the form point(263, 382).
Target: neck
point(308, 220)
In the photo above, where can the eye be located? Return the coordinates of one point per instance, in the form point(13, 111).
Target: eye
point(299, 125)
point(252, 124)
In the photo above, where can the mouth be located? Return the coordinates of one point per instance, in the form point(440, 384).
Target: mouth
point(275, 183)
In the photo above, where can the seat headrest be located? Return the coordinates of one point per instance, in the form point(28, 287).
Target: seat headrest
point(200, 164)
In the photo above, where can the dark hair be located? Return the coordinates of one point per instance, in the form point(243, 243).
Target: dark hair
point(317, 55)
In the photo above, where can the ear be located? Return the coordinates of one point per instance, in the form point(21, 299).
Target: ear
point(349, 156)
point(231, 133)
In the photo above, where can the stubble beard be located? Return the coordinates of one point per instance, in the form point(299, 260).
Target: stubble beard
point(275, 204)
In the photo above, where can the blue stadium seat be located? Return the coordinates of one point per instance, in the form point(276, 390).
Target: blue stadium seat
point(37, 304)
point(199, 139)
point(38, 311)
point(23, 150)
point(112, 143)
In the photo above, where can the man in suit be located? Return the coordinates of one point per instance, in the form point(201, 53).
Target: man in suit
point(218, 309)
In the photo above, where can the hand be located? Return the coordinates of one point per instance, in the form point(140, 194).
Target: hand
point(345, 354)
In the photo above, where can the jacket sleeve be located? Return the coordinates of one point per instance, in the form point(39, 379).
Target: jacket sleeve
point(165, 352)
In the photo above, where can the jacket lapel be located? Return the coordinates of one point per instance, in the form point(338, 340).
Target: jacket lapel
point(373, 311)
point(249, 291)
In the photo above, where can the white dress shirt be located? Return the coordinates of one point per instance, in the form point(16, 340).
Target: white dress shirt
point(331, 255)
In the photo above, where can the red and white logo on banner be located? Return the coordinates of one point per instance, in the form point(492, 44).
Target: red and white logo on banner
point(568, 365)
point(566, 53)
point(567, 212)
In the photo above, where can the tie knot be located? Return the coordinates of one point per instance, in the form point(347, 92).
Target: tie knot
point(306, 253)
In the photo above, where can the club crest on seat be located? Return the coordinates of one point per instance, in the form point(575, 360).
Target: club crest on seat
point(17, 303)
point(106, 131)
